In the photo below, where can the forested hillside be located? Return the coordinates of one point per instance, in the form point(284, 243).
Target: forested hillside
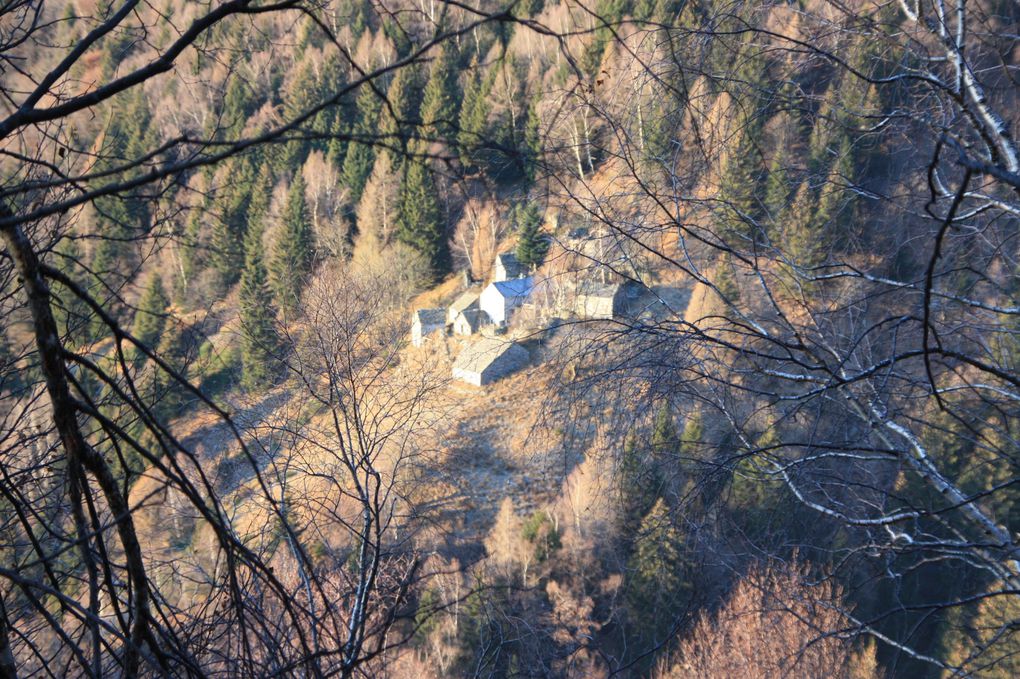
point(757, 412)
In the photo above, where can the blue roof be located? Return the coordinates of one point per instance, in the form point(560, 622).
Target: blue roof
point(517, 287)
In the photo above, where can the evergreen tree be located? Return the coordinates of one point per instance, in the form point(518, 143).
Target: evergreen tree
point(532, 141)
point(302, 92)
point(532, 243)
point(637, 489)
point(10, 374)
point(260, 342)
point(986, 643)
point(238, 105)
point(398, 120)
point(665, 439)
point(658, 586)
point(150, 316)
point(801, 229)
point(361, 155)
point(176, 347)
point(441, 100)
point(73, 316)
point(420, 220)
point(294, 251)
point(691, 440)
point(258, 205)
point(227, 241)
point(726, 294)
point(777, 188)
point(739, 187)
point(474, 117)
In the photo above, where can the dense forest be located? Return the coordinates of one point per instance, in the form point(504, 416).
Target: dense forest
point(763, 263)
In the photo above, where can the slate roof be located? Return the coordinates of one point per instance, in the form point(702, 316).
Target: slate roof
point(508, 261)
point(477, 357)
point(430, 316)
point(518, 287)
point(475, 318)
point(465, 301)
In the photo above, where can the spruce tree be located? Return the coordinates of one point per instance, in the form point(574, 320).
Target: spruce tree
point(801, 229)
point(638, 488)
point(441, 100)
point(665, 439)
point(691, 441)
point(532, 141)
point(739, 187)
point(227, 254)
point(777, 188)
point(420, 220)
point(150, 316)
point(10, 374)
point(294, 251)
point(73, 316)
point(260, 342)
point(176, 347)
point(302, 92)
point(532, 243)
point(658, 587)
point(398, 119)
point(474, 118)
point(360, 155)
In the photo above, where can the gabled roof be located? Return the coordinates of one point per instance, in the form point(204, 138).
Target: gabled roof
point(465, 301)
point(508, 261)
point(480, 355)
point(602, 291)
point(475, 318)
point(430, 316)
point(518, 287)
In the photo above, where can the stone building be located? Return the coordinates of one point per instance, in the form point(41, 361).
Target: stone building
point(488, 360)
point(424, 322)
point(500, 298)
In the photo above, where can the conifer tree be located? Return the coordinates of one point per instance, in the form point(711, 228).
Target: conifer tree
point(258, 206)
point(474, 117)
point(665, 439)
point(10, 374)
point(176, 347)
point(360, 154)
point(692, 438)
point(303, 91)
point(801, 228)
point(739, 187)
point(73, 316)
point(260, 342)
point(637, 488)
point(399, 118)
point(532, 243)
point(294, 250)
point(238, 104)
point(726, 294)
point(658, 586)
point(150, 319)
point(441, 100)
point(420, 220)
point(777, 187)
point(227, 240)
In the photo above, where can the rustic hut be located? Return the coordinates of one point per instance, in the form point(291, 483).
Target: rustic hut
point(424, 322)
point(500, 298)
point(470, 321)
point(604, 302)
point(467, 300)
point(506, 267)
point(489, 360)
